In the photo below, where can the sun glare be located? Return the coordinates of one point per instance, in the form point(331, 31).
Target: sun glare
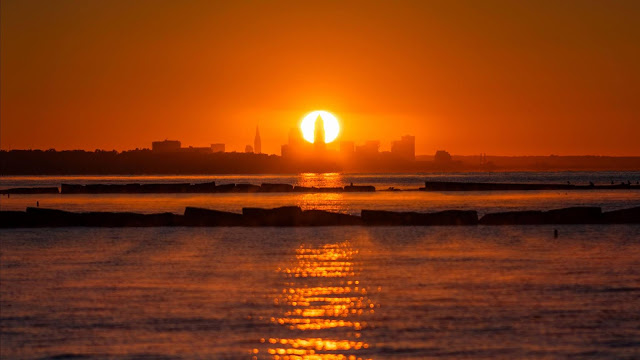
point(331, 126)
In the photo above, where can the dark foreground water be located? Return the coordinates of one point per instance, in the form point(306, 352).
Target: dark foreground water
point(322, 293)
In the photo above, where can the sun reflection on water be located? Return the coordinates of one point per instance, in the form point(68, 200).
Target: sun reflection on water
point(322, 310)
point(325, 180)
point(328, 201)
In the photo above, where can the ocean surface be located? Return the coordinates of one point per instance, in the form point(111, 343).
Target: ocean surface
point(329, 293)
point(321, 293)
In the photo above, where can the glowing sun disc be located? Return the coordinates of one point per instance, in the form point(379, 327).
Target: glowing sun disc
point(331, 126)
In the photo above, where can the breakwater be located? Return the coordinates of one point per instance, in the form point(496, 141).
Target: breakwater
point(185, 188)
point(212, 188)
point(295, 216)
point(470, 186)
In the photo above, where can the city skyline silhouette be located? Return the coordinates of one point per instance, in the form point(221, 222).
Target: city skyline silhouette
point(465, 77)
point(319, 179)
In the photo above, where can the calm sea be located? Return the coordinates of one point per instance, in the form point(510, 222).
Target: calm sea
point(479, 292)
point(321, 293)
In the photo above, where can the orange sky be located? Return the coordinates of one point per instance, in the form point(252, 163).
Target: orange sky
point(503, 78)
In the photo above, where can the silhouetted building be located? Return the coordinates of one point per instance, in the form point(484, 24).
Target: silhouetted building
point(217, 148)
point(166, 146)
point(257, 143)
point(295, 137)
point(319, 143)
point(288, 149)
point(405, 148)
point(370, 148)
point(285, 150)
point(297, 146)
point(248, 149)
point(200, 150)
point(442, 157)
point(347, 148)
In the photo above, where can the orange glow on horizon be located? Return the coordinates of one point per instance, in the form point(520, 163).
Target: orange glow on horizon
point(502, 78)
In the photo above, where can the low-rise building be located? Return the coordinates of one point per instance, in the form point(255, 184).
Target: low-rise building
point(166, 146)
point(217, 148)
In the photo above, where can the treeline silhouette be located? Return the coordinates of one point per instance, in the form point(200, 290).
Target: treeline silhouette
point(37, 162)
point(51, 162)
point(99, 162)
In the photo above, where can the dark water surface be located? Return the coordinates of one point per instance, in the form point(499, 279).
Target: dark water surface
point(508, 292)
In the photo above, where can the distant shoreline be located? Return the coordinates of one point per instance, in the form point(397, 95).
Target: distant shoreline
point(147, 162)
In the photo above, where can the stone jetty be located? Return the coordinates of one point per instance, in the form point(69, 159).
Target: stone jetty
point(470, 186)
point(212, 187)
point(289, 216)
point(449, 217)
point(31, 190)
point(184, 188)
point(572, 215)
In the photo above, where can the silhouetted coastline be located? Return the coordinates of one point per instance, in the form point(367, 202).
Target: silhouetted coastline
point(135, 162)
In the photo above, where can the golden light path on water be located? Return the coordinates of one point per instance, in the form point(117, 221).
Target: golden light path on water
point(320, 179)
point(322, 309)
point(329, 201)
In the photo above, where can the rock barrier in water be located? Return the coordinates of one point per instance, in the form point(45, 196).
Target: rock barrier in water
point(326, 218)
point(449, 217)
point(39, 217)
point(532, 217)
point(276, 188)
point(211, 188)
point(359, 188)
point(295, 216)
point(313, 189)
point(622, 216)
point(31, 190)
point(469, 186)
point(206, 217)
point(282, 216)
point(572, 215)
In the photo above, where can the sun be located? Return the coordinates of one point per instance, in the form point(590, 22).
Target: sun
point(331, 126)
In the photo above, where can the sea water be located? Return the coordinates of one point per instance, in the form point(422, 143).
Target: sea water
point(480, 292)
point(508, 292)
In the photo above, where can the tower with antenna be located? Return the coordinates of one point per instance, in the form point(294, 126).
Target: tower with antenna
point(318, 135)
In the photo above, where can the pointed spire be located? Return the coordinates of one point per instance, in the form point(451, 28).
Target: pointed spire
point(318, 134)
point(257, 143)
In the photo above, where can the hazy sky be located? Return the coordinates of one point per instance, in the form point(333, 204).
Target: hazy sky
point(499, 77)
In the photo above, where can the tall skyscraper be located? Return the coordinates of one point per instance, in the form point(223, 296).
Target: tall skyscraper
point(318, 135)
point(257, 143)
